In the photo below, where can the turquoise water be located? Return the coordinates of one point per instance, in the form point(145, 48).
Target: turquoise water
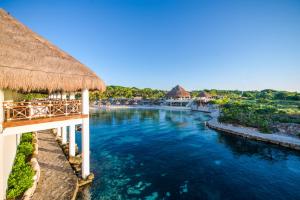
point(159, 154)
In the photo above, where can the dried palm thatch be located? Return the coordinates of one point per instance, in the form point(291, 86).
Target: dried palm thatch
point(204, 94)
point(178, 92)
point(30, 63)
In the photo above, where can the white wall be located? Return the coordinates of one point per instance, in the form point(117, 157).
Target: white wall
point(8, 149)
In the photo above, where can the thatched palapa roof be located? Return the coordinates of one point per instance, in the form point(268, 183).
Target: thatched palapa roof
point(178, 92)
point(204, 94)
point(28, 62)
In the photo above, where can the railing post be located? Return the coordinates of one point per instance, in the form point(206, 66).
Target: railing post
point(7, 108)
point(30, 110)
point(49, 109)
point(66, 108)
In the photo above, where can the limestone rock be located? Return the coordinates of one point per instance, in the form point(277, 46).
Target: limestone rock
point(75, 160)
point(91, 176)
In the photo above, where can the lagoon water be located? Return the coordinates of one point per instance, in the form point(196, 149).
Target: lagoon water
point(159, 154)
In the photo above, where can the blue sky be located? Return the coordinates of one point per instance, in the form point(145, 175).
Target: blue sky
point(199, 44)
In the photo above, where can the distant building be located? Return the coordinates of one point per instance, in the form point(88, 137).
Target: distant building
point(204, 96)
point(178, 96)
point(178, 92)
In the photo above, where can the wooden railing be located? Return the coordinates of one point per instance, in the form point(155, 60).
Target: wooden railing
point(40, 109)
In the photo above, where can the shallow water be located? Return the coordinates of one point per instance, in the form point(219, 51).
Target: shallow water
point(159, 154)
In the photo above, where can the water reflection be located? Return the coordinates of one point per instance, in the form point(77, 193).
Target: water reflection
point(113, 116)
point(178, 119)
point(119, 116)
point(244, 147)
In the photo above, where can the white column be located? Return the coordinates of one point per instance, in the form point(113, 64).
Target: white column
point(64, 95)
point(72, 140)
point(18, 136)
point(85, 101)
point(72, 96)
point(1, 109)
point(59, 132)
point(85, 136)
point(64, 135)
point(58, 95)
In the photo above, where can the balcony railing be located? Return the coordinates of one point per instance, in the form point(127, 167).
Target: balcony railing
point(40, 109)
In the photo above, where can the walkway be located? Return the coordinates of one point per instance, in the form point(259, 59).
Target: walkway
point(57, 180)
point(283, 140)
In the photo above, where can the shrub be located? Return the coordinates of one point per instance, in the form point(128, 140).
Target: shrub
point(220, 101)
point(21, 176)
point(27, 137)
point(31, 96)
point(26, 149)
point(252, 115)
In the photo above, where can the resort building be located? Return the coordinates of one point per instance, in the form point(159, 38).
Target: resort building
point(201, 103)
point(178, 96)
point(204, 97)
point(29, 63)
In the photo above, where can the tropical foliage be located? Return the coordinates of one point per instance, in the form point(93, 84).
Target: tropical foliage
point(30, 96)
point(267, 94)
point(127, 92)
point(21, 177)
point(258, 115)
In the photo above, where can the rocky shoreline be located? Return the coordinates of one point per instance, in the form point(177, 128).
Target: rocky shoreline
point(251, 133)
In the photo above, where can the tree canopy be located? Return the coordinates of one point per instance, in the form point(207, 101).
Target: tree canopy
point(148, 93)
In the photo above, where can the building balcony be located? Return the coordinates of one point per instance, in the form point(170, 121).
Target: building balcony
point(40, 111)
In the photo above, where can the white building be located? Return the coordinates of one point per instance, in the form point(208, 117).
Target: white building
point(29, 63)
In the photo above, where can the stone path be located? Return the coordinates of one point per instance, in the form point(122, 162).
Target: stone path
point(283, 140)
point(57, 179)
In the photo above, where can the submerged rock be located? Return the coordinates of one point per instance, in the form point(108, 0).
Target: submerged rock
point(138, 188)
point(218, 162)
point(184, 188)
point(153, 196)
point(91, 176)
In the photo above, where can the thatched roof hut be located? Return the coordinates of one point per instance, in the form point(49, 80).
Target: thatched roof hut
point(204, 94)
point(178, 92)
point(28, 62)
